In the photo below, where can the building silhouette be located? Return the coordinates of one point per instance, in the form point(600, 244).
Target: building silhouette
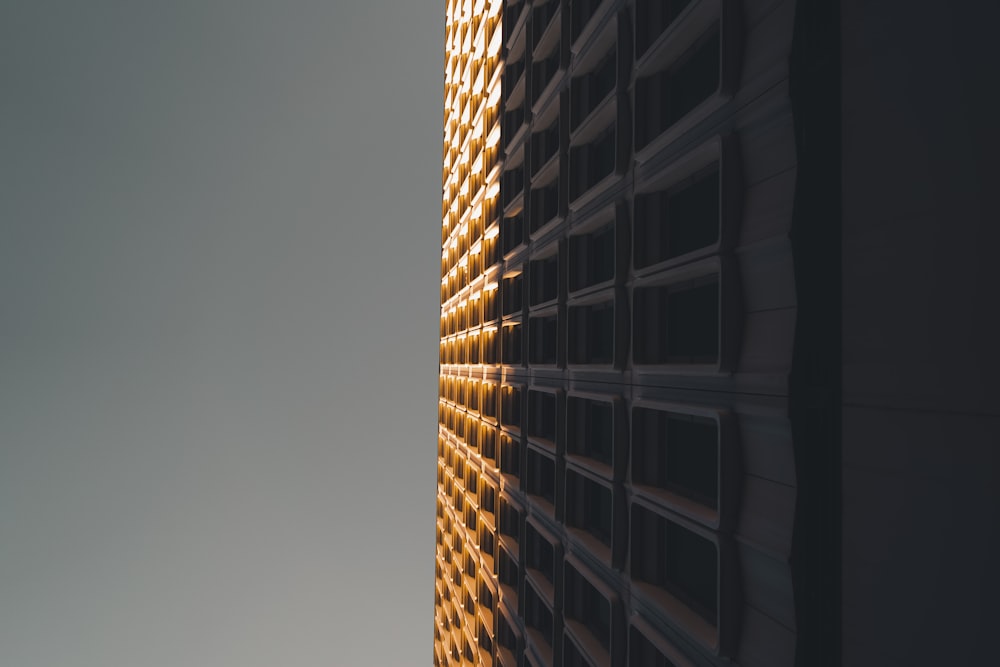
point(660, 410)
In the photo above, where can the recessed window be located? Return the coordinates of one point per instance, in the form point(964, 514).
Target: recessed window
point(539, 553)
point(512, 73)
point(544, 144)
point(489, 400)
point(678, 220)
point(486, 598)
point(487, 544)
point(488, 343)
point(510, 520)
point(677, 453)
point(589, 506)
point(510, 461)
point(506, 636)
point(572, 657)
point(488, 443)
point(677, 323)
point(590, 429)
point(513, 119)
point(585, 604)
point(507, 570)
point(651, 18)
point(537, 615)
point(544, 280)
point(511, 184)
point(541, 18)
point(542, 72)
point(676, 559)
point(542, 415)
point(665, 97)
point(591, 162)
point(511, 294)
point(512, 232)
point(642, 652)
point(485, 643)
point(543, 339)
point(510, 407)
point(511, 342)
point(544, 207)
point(540, 476)
point(592, 333)
point(488, 499)
point(592, 257)
point(590, 89)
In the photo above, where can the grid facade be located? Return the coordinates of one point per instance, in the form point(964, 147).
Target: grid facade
point(616, 467)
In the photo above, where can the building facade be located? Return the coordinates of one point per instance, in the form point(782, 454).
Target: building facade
point(631, 393)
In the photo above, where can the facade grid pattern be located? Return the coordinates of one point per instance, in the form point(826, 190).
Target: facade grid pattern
point(616, 475)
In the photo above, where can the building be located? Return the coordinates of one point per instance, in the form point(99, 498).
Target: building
point(640, 454)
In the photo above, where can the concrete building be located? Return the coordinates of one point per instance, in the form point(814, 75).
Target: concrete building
point(657, 226)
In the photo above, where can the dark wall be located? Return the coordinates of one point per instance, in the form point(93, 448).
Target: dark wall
point(921, 405)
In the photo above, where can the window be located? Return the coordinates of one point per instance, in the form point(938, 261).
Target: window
point(511, 295)
point(486, 598)
point(510, 407)
point(512, 232)
point(510, 520)
point(651, 18)
point(488, 443)
point(590, 89)
point(543, 280)
point(585, 604)
point(679, 220)
point(510, 17)
point(467, 653)
point(590, 429)
point(665, 97)
point(511, 74)
point(511, 184)
point(542, 72)
point(489, 300)
point(677, 323)
point(676, 559)
point(540, 19)
point(488, 499)
point(474, 348)
point(592, 257)
point(541, 475)
point(543, 147)
point(544, 205)
point(510, 462)
point(510, 344)
point(539, 554)
point(543, 340)
point(513, 119)
point(506, 636)
point(677, 453)
point(642, 653)
point(487, 545)
point(581, 12)
point(489, 400)
point(507, 571)
point(572, 656)
point(485, 643)
point(542, 415)
point(537, 615)
point(592, 333)
point(588, 506)
point(590, 163)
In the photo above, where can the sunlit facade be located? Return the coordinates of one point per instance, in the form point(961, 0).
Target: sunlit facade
point(617, 473)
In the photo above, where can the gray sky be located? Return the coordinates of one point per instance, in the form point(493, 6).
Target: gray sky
point(218, 331)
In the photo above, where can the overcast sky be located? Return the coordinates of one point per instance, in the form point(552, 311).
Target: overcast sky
point(219, 266)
